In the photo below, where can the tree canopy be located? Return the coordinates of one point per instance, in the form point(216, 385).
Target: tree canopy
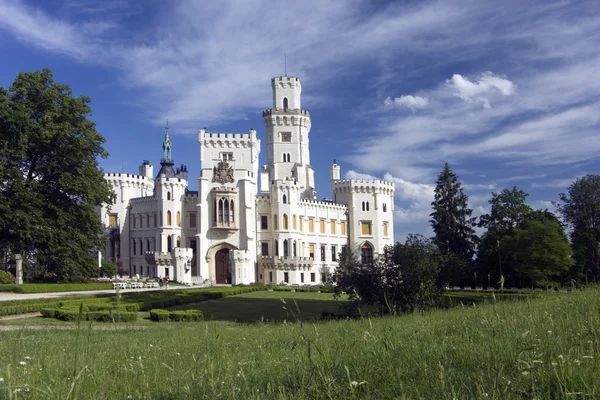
point(50, 181)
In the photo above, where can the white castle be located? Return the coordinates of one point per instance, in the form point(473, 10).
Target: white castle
point(231, 231)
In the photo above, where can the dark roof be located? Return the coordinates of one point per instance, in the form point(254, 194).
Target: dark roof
point(166, 170)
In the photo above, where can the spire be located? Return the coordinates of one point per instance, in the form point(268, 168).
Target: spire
point(167, 145)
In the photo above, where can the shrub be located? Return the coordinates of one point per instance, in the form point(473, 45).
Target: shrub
point(48, 312)
point(159, 315)
point(6, 278)
point(187, 315)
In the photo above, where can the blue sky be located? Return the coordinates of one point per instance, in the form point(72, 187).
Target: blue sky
point(507, 92)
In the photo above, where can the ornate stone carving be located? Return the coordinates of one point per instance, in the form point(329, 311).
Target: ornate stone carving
point(223, 173)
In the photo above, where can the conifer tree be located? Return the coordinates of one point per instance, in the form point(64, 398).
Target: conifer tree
point(453, 227)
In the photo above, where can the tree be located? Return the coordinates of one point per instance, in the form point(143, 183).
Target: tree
point(50, 182)
point(540, 249)
point(580, 209)
point(403, 279)
point(108, 269)
point(453, 227)
point(508, 210)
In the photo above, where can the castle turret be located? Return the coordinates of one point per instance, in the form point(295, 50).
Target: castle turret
point(146, 170)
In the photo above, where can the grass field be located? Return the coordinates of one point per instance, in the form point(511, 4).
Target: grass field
point(543, 348)
point(55, 287)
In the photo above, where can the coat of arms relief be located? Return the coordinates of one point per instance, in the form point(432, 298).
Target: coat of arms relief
point(223, 173)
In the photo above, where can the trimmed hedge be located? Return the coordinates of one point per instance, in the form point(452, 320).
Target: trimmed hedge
point(159, 315)
point(68, 314)
point(54, 287)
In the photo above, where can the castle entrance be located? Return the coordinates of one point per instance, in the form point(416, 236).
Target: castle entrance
point(222, 267)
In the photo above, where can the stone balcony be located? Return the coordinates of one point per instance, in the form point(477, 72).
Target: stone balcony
point(289, 263)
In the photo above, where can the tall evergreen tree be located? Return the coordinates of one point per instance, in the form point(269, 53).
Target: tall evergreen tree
point(50, 182)
point(453, 227)
point(580, 209)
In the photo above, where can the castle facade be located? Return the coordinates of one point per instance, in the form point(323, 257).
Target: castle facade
point(246, 224)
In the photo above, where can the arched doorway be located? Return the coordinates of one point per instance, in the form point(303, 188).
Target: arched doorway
point(222, 267)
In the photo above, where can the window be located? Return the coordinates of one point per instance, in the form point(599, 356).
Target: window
point(134, 247)
point(286, 136)
point(169, 244)
point(264, 248)
point(227, 156)
point(285, 103)
point(367, 206)
point(147, 220)
point(225, 210)
point(301, 277)
point(276, 247)
point(333, 254)
point(275, 222)
point(323, 278)
point(384, 207)
point(264, 222)
point(147, 245)
point(178, 241)
point(311, 251)
point(284, 199)
point(312, 276)
point(168, 218)
point(155, 220)
point(192, 220)
point(270, 276)
point(284, 157)
point(343, 228)
point(322, 253)
point(141, 224)
point(294, 248)
point(178, 218)
point(322, 225)
point(363, 206)
point(385, 229)
point(134, 269)
point(141, 247)
point(133, 220)
point(112, 219)
point(285, 222)
point(285, 249)
point(294, 222)
point(311, 225)
point(366, 228)
point(366, 254)
point(286, 277)
point(168, 195)
point(332, 226)
point(300, 219)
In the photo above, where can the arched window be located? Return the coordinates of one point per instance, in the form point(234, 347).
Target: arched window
point(276, 247)
point(285, 222)
point(275, 222)
point(284, 199)
point(231, 211)
point(367, 206)
point(178, 241)
point(288, 157)
point(285, 102)
point(155, 220)
point(147, 245)
point(294, 248)
point(366, 254)
point(168, 195)
point(141, 247)
point(363, 206)
point(134, 247)
point(169, 244)
point(168, 218)
point(294, 222)
point(384, 207)
point(284, 157)
point(226, 210)
point(220, 210)
point(285, 249)
point(178, 219)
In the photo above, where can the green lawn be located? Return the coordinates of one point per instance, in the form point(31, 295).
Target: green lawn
point(55, 287)
point(539, 348)
point(267, 306)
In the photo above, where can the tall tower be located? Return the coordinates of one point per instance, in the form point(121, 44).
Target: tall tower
point(287, 127)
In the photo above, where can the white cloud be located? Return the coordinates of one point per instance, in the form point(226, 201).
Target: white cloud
point(487, 85)
point(413, 103)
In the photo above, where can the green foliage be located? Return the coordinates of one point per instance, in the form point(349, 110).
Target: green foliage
point(580, 209)
point(50, 175)
point(6, 278)
point(159, 315)
point(108, 269)
point(453, 227)
point(403, 279)
point(54, 287)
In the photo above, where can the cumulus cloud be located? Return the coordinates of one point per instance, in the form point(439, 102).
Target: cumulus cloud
point(413, 103)
point(481, 89)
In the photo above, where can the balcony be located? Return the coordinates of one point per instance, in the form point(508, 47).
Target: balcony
point(224, 225)
point(290, 263)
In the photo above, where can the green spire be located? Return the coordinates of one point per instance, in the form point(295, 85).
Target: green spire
point(167, 145)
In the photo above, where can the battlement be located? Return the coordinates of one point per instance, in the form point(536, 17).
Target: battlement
point(363, 185)
point(323, 204)
point(285, 82)
point(282, 112)
point(204, 135)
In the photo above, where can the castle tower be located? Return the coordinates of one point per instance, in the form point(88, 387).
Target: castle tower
point(287, 127)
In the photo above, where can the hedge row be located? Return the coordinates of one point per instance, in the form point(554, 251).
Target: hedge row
point(314, 289)
point(159, 315)
point(183, 297)
point(15, 307)
point(54, 287)
point(99, 316)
